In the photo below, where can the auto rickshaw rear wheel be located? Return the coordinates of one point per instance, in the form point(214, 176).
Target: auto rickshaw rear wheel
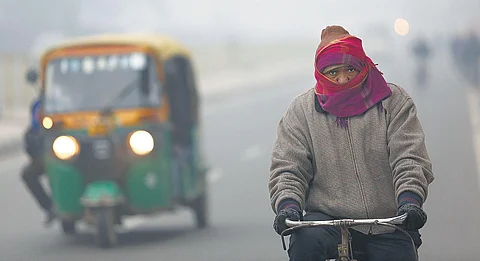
point(200, 207)
point(106, 236)
point(68, 227)
point(200, 204)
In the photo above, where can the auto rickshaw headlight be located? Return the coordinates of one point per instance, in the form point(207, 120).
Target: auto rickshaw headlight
point(141, 142)
point(65, 147)
point(47, 123)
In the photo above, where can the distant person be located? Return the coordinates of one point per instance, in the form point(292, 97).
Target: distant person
point(422, 53)
point(456, 47)
point(472, 58)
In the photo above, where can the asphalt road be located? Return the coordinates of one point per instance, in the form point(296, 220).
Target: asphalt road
point(239, 131)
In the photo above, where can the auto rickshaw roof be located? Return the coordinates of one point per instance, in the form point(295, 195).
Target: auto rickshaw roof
point(164, 47)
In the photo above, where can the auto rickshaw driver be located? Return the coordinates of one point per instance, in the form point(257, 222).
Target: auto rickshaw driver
point(35, 168)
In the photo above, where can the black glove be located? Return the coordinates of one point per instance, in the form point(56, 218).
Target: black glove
point(289, 209)
point(416, 217)
point(411, 203)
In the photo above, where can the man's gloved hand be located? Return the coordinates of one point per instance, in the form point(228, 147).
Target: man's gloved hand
point(411, 203)
point(287, 209)
point(416, 218)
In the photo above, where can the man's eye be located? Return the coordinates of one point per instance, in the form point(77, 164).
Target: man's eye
point(332, 73)
point(351, 70)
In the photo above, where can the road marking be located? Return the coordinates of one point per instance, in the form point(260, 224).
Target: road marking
point(214, 175)
point(252, 153)
point(130, 223)
point(474, 108)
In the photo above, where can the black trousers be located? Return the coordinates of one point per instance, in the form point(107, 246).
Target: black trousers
point(320, 243)
point(31, 177)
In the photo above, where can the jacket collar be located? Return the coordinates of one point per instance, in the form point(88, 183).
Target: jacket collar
point(318, 108)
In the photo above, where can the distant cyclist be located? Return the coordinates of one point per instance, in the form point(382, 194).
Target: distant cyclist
point(422, 53)
point(472, 58)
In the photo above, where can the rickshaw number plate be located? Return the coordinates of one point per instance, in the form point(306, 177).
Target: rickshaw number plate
point(97, 130)
point(101, 149)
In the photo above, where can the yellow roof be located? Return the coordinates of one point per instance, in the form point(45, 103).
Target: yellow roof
point(164, 46)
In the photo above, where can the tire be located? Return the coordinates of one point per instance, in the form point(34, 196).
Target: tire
point(68, 227)
point(200, 207)
point(105, 228)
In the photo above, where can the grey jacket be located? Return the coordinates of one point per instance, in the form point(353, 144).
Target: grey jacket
point(357, 172)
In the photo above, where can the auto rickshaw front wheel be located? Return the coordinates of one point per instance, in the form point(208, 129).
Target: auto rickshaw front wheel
point(105, 236)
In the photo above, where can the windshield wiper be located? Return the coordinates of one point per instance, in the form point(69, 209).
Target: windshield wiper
point(107, 109)
point(142, 84)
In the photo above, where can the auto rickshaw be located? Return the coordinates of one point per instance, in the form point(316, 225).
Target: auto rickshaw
point(120, 115)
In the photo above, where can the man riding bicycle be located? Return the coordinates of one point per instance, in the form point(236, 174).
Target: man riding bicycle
point(351, 147)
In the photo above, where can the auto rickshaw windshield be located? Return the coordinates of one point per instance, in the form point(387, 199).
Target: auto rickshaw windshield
point(88, 83)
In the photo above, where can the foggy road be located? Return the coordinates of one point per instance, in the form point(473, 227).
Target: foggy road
point(239, 131)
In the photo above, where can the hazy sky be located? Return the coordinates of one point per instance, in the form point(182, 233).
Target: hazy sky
point(26, 21)
point(274, 18)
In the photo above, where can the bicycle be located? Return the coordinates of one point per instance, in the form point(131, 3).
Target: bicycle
point(345, 251)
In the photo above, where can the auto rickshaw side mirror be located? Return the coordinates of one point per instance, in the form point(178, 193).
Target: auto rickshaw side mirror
point(32, 76)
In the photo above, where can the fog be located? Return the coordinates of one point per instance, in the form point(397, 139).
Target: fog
point(27, 22)
point(251, 58)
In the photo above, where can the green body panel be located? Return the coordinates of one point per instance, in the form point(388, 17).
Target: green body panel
point(189, 179)
point(66, 185)
point(149, 180)
point(99, 193)
point(148, 185)
point(198, 166)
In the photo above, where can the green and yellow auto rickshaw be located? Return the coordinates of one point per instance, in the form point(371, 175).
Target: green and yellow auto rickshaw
point(122, 133)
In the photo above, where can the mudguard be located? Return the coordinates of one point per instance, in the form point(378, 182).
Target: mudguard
point(102, 194)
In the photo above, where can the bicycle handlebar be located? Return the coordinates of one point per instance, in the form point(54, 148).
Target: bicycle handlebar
point(388, 222)
point(347, 222)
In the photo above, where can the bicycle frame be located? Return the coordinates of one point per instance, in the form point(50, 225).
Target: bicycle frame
point(344, 248)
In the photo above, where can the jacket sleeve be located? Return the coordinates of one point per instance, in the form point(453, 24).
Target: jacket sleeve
point(409, 160)
point(291, 167)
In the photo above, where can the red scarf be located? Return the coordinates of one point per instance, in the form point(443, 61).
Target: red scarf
point(360, 93)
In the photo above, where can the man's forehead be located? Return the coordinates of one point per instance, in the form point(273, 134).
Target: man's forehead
point(333, 67)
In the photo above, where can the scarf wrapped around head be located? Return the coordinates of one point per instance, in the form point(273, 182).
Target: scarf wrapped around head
point(358, 95)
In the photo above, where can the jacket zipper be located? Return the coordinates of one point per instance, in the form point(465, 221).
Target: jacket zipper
point(356, 172)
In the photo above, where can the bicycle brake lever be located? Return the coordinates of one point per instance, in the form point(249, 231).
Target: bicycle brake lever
point(283, 243)
point(285, 233)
